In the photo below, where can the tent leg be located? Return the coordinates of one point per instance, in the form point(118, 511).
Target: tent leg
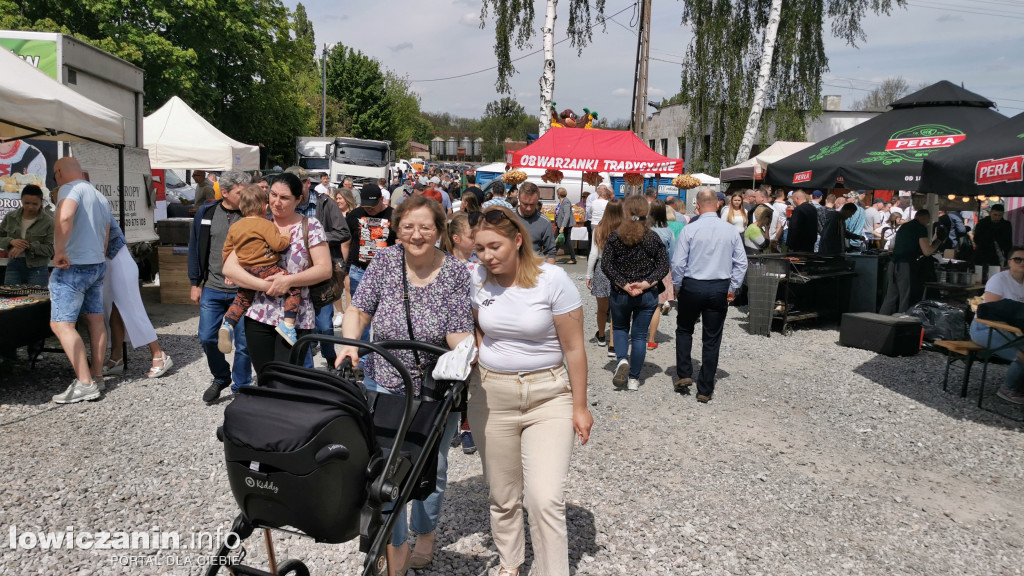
point(120, 185)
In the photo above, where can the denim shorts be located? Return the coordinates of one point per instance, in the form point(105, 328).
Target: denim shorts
point(77, 290)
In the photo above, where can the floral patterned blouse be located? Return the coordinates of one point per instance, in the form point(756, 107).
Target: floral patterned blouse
point(270, 310)
point(437, 309)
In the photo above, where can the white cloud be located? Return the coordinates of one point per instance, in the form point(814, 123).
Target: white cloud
point(655, 92)
point(471, 19)
point(621, 92)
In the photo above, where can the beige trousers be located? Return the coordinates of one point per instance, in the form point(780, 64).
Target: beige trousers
point(522, 424)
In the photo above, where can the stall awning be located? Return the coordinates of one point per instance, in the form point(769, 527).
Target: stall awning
point(755, 168)
point(33, 105)
point(179, 138)
point(887, 151)
point(990, 165)
point(594, 151)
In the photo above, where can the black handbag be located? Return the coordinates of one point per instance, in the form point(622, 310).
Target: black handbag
point(322, 293)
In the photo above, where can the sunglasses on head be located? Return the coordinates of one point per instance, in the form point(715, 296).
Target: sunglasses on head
point(491, 217)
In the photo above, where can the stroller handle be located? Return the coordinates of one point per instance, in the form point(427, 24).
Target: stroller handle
point(382, 348)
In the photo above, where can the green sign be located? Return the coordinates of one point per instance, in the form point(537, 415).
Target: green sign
point(40, 53)
point(833, 148)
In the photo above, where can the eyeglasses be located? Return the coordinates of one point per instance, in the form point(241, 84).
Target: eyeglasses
point(424, 230)
point(491, 217)
point(1017, 259)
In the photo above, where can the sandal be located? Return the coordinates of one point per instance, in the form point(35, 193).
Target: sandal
point(158, 371)
point(111, 368)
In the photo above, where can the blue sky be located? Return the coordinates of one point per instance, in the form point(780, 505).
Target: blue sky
point(974, 42)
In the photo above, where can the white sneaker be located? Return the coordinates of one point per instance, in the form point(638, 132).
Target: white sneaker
point(338, 317)
point(633, 385)
point(621, 373)
point(77, 392)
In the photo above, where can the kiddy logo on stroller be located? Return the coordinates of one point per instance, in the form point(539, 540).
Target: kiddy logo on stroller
point(307, 454)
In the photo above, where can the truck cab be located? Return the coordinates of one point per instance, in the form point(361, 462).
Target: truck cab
point(358, 159)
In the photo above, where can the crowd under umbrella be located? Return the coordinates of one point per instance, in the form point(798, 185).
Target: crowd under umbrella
point(990, 165)
point(887, 151)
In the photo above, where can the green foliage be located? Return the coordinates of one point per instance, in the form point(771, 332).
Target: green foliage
point(502, 119)
point(513, 23)
point(241, 64)
point(720, 71)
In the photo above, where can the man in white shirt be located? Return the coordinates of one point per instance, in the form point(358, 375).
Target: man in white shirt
point(905, 207)
point(778, 219)
point(324, 187)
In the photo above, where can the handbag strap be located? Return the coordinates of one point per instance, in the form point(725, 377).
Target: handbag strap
point(305, 233)
point(406, 298)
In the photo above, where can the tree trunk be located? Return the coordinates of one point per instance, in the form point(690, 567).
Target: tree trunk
point(760, 92)
point(547, 79)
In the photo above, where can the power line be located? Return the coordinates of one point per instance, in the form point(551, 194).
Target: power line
point(1015, 16)
point(514, 59)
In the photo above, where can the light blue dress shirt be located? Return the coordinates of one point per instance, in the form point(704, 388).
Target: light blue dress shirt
point(709, 248)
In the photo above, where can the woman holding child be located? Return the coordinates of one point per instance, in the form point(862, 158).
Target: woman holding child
point(306, 261)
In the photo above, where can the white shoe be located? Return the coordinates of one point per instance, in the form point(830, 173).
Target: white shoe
point(633, 385)
point(621, 373)
point(77, 392)
point(338, 318)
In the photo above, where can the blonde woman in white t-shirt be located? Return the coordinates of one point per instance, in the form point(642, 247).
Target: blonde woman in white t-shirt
point(1006, 285)
point(734, 214)
point(528, 396)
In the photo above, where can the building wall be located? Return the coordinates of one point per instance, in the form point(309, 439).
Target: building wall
point(667, 126)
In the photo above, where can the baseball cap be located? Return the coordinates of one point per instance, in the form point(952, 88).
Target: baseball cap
point(852, 195)
point(722, 197)
point(816, 194)
point(422, 180)
point(369, 195)
point(435, 180)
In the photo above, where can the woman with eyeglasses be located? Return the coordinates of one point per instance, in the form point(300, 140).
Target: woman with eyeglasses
point(635, 261)
point(439, 310)
point(1006, 285)
point(528, 395)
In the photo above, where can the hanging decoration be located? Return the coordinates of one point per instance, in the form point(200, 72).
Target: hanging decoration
point(552, 176)
point(513, 177)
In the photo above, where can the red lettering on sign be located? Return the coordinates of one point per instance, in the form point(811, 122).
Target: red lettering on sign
point(802, 177)
point(1001, 170)
point(921, 143)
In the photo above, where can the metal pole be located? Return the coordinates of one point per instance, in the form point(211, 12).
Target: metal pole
point(323, 98)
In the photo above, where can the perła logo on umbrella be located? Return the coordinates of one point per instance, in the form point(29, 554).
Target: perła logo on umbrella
point(1001, 170)
point(915, 144)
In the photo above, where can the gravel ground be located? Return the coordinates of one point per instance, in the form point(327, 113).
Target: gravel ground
point(810, 459)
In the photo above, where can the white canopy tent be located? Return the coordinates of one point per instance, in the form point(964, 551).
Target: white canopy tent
point(706, 179)
point(755, 168)
point(178, 138)
point(37, 106)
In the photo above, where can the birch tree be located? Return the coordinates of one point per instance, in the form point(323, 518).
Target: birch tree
point(513, 24)
point(725, 59)
point(767, 51)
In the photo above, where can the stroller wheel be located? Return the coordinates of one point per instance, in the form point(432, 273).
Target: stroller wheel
point(292, 568)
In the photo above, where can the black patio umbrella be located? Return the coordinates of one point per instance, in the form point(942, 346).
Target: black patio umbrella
point(886, 152)
point(989, 165)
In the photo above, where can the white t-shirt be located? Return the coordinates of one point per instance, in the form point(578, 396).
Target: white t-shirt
point(1004, 285)
point(597, 211)
point(778, 215)
point(907, 214)
point(519, 331)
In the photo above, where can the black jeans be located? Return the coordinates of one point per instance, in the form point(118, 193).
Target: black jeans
point(707, 299)
point(905, 288)
point(567, 232)
point(265, 344)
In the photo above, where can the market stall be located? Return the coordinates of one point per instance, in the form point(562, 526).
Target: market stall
point(754, 169)
point(39, 107)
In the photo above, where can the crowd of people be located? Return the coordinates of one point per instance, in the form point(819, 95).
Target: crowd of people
point(436, 258)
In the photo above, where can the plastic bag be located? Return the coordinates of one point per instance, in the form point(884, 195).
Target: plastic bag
point(940, 320)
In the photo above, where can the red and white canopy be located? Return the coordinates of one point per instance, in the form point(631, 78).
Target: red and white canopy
point(594, 151)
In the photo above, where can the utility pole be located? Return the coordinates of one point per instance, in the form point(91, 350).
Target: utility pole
point(323, 95)
point(643, 45)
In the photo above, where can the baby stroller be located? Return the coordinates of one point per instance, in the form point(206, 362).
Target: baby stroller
point(306, 454)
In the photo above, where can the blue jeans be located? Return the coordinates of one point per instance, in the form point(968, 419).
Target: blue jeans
point(425, 513)
point(213, 304)
point(631, 319)
point(76, 290)
point(355, 275)
point(325, 325)
point(1015, 373)
point(18, 272)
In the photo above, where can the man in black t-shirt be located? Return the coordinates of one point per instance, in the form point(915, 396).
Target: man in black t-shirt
point(372, 229)
point(472, 187)
point(906, 285)
point(803, 225)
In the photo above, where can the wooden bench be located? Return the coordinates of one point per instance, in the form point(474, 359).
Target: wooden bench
point(964, 351)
